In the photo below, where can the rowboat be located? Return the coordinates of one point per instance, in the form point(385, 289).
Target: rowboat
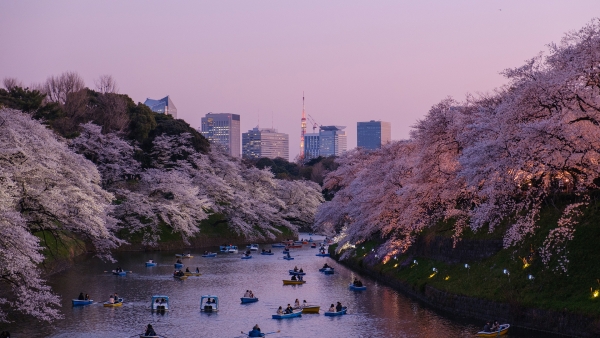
point(322, 254)
point(293, 282)
point(118, 303)
point(120, 273)
point(500, 332)
point(289, 258)
point(249, 300)
point(213, 254)
point(337, 313)
point(357, 288)
point(178, 265)
point(267, 253)
point(150, 263)
point(252, 247)
point(192, 274)
point(78, 302)
point(247, 257)
point(279, 245)
point(311, 309)
point(328, 271)
point(295, 313)
point(184, 255)
point(233, 249)
point(159, 303)
point(297, 273)
point(323, 269)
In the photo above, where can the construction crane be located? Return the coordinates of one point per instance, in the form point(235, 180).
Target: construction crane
point(314, 123)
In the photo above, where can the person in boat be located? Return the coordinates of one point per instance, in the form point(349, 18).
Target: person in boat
point(255, 332)
point(81, 296)
point(294, 277)
point(247, 294)
point(87, 297)
point(332, 308)
point(357, 283)
point(251, 294)
point(338, 307)
point(187, 269)
point(495, 326)
point(295, 269)
point(300, 277)
point(304, 304)
point(289, 309)
point(297, 304)
point(487, 327)
point(178, 261)
point(197, 270)
point(111, 299)
point(288, 255)
point(269, 250)
point(280, 311)
point(263, 250)
point(301, 270)
point(117, 298)
point(325, 266)
point(149, 331)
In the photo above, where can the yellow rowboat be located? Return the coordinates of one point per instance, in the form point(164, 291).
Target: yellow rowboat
point(181, 277)
point(113, 304)
point(500, 332)
point(311, 309)
point(192, 274)
point(293, 282)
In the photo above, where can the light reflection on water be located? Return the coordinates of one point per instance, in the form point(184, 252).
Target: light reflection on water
point(377, 312)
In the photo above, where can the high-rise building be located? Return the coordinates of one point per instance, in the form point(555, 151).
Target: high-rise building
point(265, 142)
point(223, 129)
point(373, 134)
point(330, 141)
point(162, 106)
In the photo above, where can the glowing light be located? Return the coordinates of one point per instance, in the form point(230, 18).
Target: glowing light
point(506, 272)
point(530, 277)
point(433, 274)
point(396, 265)
point(595, 293)
point(447, 277)
point(434, 270)
point(467, 266)
point(415, 262)
point(525, 265)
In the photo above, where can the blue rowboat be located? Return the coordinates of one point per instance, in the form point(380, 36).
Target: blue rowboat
point(178, 265)
point(214, 254)
point(150, 263)
point(297, 273)
point(288, 258)
point(357, 288)
point(327, 271)
point(77, 302)
point(247, 257)
point(248, 300)
point(267, 253)
point(122, 273)
point(323, 269)
point(322, 254)
point(295, 313)
point(279, 245)
point(337, 313)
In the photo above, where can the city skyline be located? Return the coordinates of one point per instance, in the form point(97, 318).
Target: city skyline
point(355, 61)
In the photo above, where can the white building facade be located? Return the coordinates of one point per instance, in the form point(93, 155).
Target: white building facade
point(265, 142)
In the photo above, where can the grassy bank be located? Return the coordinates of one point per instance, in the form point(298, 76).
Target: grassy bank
point(573, 291)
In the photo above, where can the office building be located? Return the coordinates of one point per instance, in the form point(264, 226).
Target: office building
point(330, 141)
point(265, 142)
point(162, 106)
point(373, 134)
point(223, 129)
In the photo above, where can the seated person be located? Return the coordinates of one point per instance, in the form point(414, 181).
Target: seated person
point(269, 250)
point(325, 266)
point(487, 327)
point(149, 331)
point(280, 311)
point(247, 294)
point(87, 297)
point(300, 277)
point(255, 332)
point(294, 277)
point(111, 299)
point(296, 304)
point(251, 294)
point(187, 269)
point(338, 307)
point(332, 308)
point(289, 309)
point(495, 326)
point(179, 261)
point(197, 270)
point(304, 304)
point(81, 296)
point(301, 270)
point(295, 269)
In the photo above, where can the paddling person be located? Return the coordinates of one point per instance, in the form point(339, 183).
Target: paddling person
point(495, 326)
point(295, 269)
point(81, 296)
point(301, 270)
point(255, 332)
point(187, 269)
point(117, 298)
point(149, 331)
point(487, 327)
point(289, 309)
point(338, 307)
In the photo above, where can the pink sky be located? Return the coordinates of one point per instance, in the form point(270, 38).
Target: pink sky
point(355, 61)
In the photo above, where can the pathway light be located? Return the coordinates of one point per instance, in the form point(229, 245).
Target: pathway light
point(530, 277)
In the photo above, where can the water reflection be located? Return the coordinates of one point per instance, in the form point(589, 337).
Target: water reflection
point(377, 312)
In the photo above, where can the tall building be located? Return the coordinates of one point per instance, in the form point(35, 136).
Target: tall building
point(373, 134)
point(162, 106)
point(330, 141)
point(265, 142)
point(223, 129)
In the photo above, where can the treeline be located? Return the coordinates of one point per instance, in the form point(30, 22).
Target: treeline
point(93, 165)
point(488, 163)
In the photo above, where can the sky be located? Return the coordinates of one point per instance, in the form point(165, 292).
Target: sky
point(354, 60)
